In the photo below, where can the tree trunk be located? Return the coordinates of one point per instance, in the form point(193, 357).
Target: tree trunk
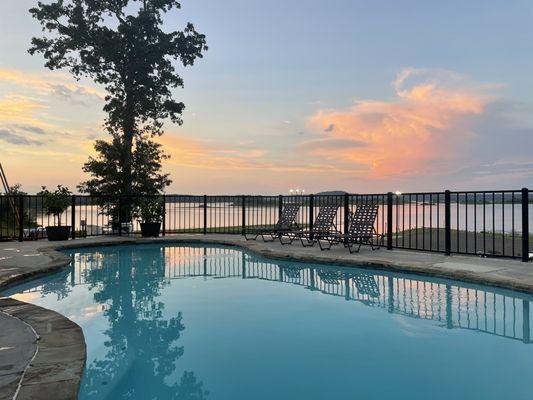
point(127, 150)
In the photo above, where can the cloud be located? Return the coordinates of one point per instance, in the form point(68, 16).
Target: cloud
point(31, 128)
point(21, 110)
point(331, 144)
point(11, 137)
point(57, 84)
point(201, 154)
point(75, 95)
point(330, 128)
point(419, 131)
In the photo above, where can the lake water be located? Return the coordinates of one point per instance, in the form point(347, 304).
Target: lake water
point(190, 216)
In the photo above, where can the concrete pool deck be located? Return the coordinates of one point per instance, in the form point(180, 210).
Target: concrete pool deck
point(42, 354)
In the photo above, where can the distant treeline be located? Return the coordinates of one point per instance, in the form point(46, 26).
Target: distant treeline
point(490, 198)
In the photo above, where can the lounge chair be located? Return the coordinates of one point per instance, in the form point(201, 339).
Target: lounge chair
point(331, 277)
point(291, 272)
point(285, 225)
point(366, 284)
point(361, 231)
point(324, 225)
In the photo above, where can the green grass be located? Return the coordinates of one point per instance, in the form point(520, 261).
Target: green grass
point(417, 231)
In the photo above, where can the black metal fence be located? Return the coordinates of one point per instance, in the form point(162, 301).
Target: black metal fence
point(486, 223)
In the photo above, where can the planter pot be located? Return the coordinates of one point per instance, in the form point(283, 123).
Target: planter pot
point(150, 229)
point(54, 233)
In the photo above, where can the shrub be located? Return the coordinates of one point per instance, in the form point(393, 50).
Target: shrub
point(56, 202)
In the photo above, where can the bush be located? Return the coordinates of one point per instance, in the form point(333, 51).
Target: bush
point(56, 202)
point(150, 210)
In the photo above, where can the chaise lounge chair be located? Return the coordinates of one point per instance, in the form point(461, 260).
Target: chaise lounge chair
point(285, 225)
point(361, 231)
point(324, 225)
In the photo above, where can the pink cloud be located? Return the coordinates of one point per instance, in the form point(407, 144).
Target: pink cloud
point(418, 131)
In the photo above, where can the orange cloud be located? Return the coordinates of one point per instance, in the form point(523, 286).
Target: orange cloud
point(20, 109)
point(414, 133)
point(201, 154)
point(45, 83)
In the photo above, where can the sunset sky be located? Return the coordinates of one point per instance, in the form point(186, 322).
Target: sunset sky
point(362, 96)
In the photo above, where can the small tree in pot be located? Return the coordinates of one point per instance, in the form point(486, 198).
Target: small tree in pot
point(56, 203)
point(150, 212)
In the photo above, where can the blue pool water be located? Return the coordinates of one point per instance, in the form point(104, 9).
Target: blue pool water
point(204, 322)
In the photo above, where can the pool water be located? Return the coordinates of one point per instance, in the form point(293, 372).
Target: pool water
point(213, 322)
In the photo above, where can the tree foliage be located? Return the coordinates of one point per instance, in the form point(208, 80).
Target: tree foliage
point(56, 202)
point(121, 45)
point(107, 176)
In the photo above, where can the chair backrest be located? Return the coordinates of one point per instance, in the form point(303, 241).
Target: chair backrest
point(288, 216)
point(330, 276)
point(363, 219)
point(366, 284)
point(325, 219)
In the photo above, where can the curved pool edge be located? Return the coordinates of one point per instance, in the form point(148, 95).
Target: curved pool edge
point(56, 368)
point(501, 273)
point(68, 371)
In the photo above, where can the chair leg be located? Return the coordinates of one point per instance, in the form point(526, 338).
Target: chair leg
point(270, 239)
point(307, 243)
point(250, 238)
point(324, 247)
point(284, 243)
point(351, 246)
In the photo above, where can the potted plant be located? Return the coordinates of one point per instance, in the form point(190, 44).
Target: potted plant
point(56, 203)
point(150, 212)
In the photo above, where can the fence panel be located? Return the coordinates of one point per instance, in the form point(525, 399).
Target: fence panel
point(419, 221)
point(487, 223)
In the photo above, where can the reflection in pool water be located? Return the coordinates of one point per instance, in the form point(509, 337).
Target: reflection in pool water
point(160, 323)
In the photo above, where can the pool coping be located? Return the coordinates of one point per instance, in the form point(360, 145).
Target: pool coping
point(56, 368)
point(58, 372)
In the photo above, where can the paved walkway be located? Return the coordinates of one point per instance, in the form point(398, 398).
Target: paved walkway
point(18, 345)
point(42, 353)
point(59, 352)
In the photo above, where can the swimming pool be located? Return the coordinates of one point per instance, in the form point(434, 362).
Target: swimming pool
point(215, 322)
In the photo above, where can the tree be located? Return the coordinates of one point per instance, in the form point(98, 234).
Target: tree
point(120, 44)
point(146, 163)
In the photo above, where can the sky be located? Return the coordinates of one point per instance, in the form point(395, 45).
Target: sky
point(362, 96)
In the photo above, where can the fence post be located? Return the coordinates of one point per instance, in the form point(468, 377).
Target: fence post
point(311, 212)
point(21, 217)
point(164, 215)
point(243, 229)
point(389, 221)
point(205, 214)
point(73, 216)
point(525, 225)
point(280, 205)
point(447, 223)
point(346, 213)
